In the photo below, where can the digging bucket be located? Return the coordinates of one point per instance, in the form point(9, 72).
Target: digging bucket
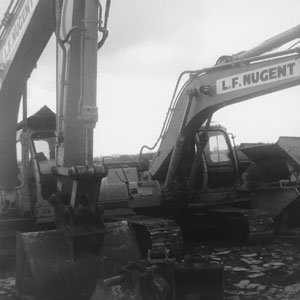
point(48, 268)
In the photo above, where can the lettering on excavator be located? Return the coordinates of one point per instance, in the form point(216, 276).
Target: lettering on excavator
point(257, 77)
point(19, 27)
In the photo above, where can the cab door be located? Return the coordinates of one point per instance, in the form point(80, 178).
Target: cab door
point(220, 162)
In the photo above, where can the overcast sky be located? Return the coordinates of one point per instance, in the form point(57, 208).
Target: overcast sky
point(151, 42)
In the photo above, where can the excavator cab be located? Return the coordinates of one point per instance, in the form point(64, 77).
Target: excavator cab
point(209, 162)
point(220, 160)
point(35, 149)
point(44, 154)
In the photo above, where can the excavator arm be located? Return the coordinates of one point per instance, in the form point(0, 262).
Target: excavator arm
point(74, 255)
point(239, 78)
point(25, 30)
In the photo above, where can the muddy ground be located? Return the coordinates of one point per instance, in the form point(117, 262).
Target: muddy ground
point(261, 271)
point(269, 270)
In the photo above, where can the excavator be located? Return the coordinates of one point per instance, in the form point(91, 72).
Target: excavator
point(54, 185)
point(106, 215)
point(196, 176)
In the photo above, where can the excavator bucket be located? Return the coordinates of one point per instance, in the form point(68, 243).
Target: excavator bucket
point(164, 281)
point(48, 268)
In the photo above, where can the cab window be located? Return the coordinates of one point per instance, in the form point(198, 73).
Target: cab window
point(217, 150)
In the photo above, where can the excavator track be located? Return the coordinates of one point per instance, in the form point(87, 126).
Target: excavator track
point(158, 238)
point(256, 224)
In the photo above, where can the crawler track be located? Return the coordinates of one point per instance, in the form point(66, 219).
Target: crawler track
point(255, 223)
point(158, 238)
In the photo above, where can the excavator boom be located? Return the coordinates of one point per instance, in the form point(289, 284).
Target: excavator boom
point(270, 44)
point(210, 89)
point(26, 29)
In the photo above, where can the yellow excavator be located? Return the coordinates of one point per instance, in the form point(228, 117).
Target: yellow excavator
point(54, 186)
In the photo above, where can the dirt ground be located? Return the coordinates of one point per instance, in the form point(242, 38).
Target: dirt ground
point(261, 271)
point(269, 270)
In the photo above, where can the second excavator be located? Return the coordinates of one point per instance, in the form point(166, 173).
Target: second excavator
point(196, 176)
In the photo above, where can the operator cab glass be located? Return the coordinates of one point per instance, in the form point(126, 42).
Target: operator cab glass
point(221, 170)
point(217, 150)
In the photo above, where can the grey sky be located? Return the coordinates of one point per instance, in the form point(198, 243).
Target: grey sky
point(151, 42)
